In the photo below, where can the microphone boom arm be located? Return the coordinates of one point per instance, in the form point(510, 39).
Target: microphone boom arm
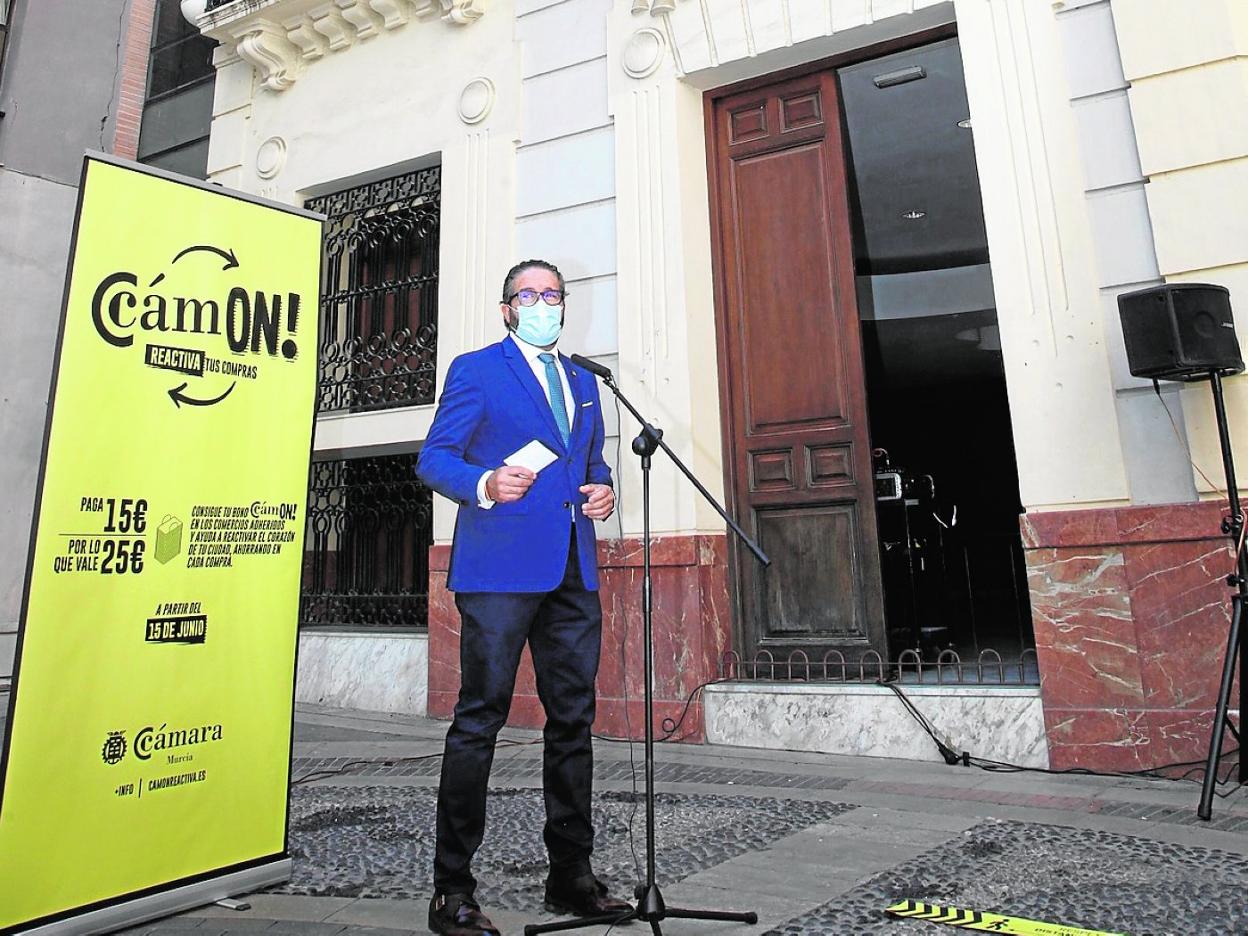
point(655, 439)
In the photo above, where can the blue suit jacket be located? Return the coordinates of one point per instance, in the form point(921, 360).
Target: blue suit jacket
point(491, 406)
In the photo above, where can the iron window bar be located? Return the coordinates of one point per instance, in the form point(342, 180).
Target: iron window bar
point(369, 529)
point(948, 669)
point(379, 306)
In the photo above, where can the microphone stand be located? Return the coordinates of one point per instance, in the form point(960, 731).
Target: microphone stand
point(651, 907)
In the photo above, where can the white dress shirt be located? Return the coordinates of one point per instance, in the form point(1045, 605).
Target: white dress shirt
point(538, 366)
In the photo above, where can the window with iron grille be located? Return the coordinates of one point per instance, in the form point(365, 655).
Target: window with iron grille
point(379, 305)
point(370, 526)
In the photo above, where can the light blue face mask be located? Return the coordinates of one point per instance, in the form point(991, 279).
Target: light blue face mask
point(540, 324)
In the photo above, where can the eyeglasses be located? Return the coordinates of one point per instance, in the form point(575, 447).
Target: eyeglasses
point(528, 297)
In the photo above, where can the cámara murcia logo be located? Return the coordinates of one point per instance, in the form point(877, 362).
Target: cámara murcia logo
point(114, 747)
point(152, 740)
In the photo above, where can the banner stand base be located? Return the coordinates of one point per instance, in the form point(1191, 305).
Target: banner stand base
point(167, 903)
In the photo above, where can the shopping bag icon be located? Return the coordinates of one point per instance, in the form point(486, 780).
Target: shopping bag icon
point(168, 538)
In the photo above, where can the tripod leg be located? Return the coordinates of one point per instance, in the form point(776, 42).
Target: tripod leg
point(1205, 809)
point(612, 919)
point(1243, 706)
point(730, 916)
point(654, 928)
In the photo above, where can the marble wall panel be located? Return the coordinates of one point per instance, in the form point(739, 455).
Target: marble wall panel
point(1085, 636)
point(374, 672)
point(998, 723)
point(1180, 600)
point(1131, 612)
point(692, 626)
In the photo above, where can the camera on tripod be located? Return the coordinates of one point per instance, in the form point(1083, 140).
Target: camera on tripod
point(912, 556)
point(897, 484)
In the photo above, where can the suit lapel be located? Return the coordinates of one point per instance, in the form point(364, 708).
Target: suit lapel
point(524, 373)
point(578, 415)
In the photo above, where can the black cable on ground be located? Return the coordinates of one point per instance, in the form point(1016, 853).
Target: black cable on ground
point(669, 726)
point(966, 759)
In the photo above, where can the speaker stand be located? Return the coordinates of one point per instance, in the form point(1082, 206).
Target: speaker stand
point(1232, 526)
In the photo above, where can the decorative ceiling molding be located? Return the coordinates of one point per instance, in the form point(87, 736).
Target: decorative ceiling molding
point(264, 46)
point(653, 7)
point(462, 12)
point(278, 38)
point(703, 35)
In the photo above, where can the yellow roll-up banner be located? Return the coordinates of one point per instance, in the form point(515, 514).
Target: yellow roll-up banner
point(149, 731)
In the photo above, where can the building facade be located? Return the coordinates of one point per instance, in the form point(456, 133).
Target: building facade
point(859, 259)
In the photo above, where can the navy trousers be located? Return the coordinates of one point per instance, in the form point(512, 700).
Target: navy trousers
point(564, 632)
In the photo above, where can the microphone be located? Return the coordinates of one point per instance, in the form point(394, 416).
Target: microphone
point(592, 367)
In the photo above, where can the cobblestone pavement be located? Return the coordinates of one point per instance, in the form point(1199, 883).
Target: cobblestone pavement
point(815, 844)
point(365, 841)
point(670, 773)
point(1089, 879)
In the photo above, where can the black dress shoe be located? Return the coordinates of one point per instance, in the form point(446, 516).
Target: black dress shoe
point(459, 915)
point(583, 896)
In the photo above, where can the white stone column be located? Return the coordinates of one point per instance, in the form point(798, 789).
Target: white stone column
point(668, 362)
point(231, 109)
point(478, 189)
point(1052, 324)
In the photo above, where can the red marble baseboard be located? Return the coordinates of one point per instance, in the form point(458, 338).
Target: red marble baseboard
point(1131, 613)
point(692, 627)
point(1126, 739)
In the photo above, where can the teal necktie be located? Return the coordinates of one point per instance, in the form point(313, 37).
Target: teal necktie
point(557, 403)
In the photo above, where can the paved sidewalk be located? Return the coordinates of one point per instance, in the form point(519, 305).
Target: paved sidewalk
point(814, 844)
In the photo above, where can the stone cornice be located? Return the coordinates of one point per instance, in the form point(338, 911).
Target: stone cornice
point(279, 38)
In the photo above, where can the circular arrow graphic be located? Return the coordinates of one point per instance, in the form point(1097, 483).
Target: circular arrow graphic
point(229, 258)
point(179, 397)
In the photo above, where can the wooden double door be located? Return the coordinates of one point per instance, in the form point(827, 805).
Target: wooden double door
point(794, 407)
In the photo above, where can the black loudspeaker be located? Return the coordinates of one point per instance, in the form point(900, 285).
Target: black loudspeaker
point(1180, 331)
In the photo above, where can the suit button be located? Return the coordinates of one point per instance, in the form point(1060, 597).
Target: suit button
point(567, 505)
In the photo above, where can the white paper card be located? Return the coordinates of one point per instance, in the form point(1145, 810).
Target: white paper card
point(533, 456)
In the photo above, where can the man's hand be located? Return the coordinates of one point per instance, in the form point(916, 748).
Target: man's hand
point(601, 501)
point(509, 483)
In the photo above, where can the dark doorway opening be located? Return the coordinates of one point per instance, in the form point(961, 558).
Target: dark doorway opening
point(947, 501)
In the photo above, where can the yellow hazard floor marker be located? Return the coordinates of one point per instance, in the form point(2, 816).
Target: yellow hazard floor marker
point(986, 922)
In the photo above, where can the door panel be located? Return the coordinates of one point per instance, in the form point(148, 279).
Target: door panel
point(797, 453)
point(785, 289)
point(800, 542)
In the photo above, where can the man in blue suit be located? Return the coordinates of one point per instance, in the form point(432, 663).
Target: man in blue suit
point(523, 568)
